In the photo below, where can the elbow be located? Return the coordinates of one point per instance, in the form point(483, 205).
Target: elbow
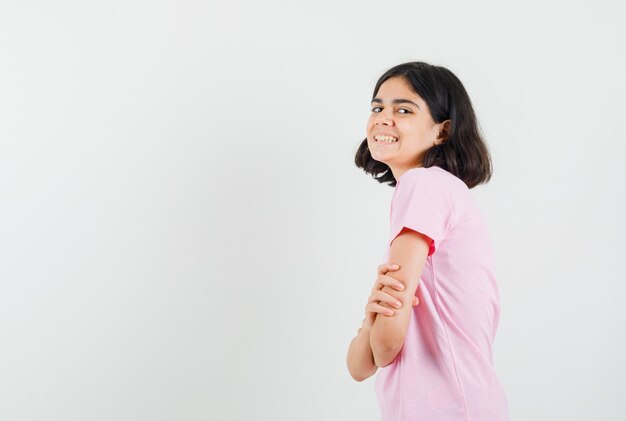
point(382, 362)
point(386, 357)
point(354, 375)
point(359, 377)
point(385, 354)
point(386, 344)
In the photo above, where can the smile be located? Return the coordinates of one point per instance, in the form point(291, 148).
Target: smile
point(385, 139)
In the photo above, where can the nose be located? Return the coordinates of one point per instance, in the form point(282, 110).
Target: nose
point(384, 118)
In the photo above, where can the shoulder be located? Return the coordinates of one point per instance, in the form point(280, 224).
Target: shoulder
point(424, 188)
point(447, 178)
point(435, 178)
point(435, 189)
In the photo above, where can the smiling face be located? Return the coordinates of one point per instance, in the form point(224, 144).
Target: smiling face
point(399, 112)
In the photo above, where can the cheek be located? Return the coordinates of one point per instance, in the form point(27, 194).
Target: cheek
point(412, 131)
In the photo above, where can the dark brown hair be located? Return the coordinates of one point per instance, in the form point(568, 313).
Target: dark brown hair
point(464, 153)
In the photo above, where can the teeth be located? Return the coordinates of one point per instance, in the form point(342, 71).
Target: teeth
point(386, 139)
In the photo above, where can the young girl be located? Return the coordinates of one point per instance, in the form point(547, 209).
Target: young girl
point(430, 327)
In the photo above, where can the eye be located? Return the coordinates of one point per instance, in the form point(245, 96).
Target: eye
point(405, 109)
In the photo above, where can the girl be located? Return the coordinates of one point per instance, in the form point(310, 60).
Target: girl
point(430, 327)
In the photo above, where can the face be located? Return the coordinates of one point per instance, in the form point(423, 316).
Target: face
point(409, 122)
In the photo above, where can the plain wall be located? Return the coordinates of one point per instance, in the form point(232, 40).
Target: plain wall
point(184, 234)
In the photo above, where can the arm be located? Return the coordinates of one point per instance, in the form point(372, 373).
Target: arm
point(360, 358)
point(409, 249)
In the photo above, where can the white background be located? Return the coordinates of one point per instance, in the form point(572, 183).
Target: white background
point(184, 235)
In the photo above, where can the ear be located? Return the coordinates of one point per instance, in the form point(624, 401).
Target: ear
point(444, 132)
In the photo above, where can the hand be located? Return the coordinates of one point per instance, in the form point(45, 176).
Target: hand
point(373, 306)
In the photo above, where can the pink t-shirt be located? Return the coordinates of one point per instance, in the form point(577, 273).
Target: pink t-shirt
point(444, 371)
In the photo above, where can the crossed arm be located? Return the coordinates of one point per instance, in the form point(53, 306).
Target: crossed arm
point(409, 250)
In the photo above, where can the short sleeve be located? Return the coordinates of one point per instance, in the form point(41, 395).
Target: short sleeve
point(423, 203)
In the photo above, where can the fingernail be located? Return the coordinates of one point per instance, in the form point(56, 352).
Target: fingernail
point(394, 266)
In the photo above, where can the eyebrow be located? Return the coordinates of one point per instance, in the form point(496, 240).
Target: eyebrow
point(396, 101)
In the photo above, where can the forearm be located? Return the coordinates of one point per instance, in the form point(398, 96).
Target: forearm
point(387, 333)
point(360, 358)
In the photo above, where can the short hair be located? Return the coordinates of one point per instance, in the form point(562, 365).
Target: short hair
point(464, 153)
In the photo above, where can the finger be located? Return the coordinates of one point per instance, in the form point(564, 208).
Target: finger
point(373, 307)
point(387, 299)
point(416, 301)
point(392, 282)
point(385, 267)
point(394, 288)
point(386, 280)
